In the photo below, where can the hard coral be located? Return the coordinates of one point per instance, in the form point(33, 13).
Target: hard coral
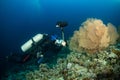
point(116, 51)
point(93, 35)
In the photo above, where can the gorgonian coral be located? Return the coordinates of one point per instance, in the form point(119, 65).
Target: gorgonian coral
point(93, 35)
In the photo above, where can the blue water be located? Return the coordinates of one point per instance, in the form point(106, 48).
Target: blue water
point(22, 19)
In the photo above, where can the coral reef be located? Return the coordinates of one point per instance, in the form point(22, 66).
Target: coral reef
point(74, 66)
point(117, 52)
point(93, 36)
point(103, 66)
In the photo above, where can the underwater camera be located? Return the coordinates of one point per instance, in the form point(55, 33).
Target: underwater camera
point(61, 24)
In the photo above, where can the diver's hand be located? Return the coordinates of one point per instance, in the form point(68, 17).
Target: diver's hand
point(60, 42)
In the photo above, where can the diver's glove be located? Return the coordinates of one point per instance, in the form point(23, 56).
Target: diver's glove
point(60, 42)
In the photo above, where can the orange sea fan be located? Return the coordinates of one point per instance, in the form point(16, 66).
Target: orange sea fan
point(93, 35)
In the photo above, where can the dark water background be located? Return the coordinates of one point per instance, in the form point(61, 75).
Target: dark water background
point(22, 19)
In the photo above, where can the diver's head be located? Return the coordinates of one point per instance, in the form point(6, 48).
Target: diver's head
point(61, 24)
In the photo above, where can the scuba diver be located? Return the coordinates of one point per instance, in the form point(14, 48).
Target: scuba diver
point(38, 45)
